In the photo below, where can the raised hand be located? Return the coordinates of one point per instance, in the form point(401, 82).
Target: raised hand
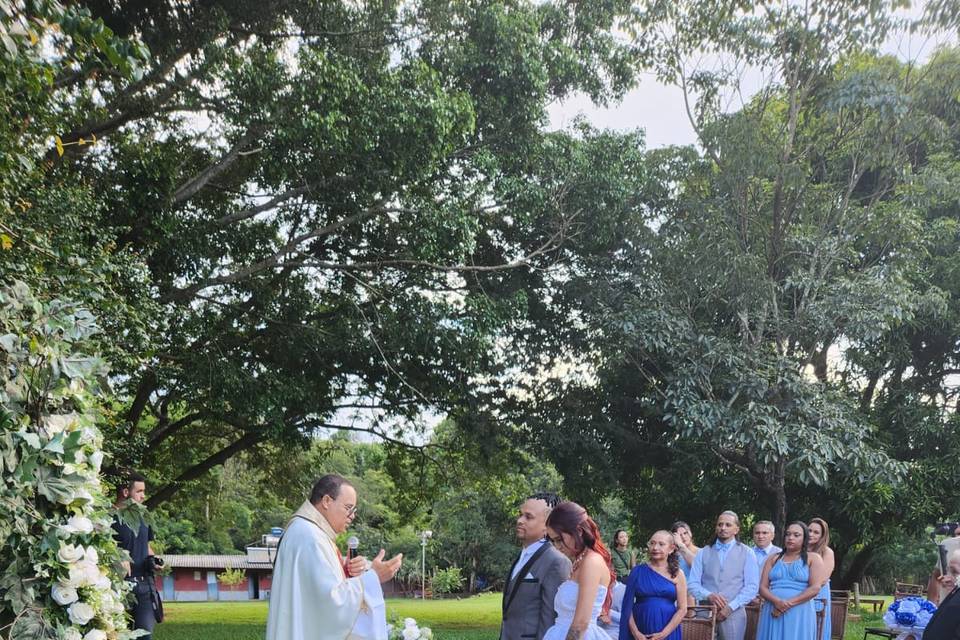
point(386, 569)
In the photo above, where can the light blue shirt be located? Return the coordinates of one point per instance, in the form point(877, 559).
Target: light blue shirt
point(763, 554)
point(751, 577)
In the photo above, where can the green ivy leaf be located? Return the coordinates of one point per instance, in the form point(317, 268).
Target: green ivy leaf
point(52, 487)
point(32, 439)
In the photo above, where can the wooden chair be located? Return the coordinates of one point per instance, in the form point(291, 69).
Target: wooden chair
point(903, 589)
point(703, 624)
point(753, 619)
point(839, 603)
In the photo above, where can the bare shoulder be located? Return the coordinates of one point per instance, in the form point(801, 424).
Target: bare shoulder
point(594, 563)
point(814, 560)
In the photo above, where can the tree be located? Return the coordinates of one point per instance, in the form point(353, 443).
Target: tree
point(298, 207)
point(709, 332)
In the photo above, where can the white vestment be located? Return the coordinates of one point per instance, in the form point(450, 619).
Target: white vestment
point(311, 598)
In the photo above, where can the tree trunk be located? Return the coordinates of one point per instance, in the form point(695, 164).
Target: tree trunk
point(858, 568)
point(780, 512)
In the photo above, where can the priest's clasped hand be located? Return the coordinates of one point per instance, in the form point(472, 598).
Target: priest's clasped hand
point(386, 569)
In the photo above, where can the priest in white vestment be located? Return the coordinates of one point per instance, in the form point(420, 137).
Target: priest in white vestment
point(314, 594)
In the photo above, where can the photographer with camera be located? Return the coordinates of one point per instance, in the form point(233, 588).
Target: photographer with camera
point(942, 582)
point(133, 535)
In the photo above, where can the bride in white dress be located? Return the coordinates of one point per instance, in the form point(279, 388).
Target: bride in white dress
point(586, 595)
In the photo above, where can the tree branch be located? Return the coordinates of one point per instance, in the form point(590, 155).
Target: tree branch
point(165, 430)
point(199, 181)
point(186, 293)
point(164, 493)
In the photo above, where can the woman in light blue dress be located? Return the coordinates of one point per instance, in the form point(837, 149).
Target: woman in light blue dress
point(788, 583)
point(687, 550)
point(820, 544)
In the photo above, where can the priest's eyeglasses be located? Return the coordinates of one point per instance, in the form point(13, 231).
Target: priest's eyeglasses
point(351, 510)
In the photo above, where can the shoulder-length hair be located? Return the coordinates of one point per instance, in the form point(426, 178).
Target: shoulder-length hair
point(825, 538)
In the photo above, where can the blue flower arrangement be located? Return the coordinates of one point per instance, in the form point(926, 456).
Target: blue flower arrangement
point(909, 614)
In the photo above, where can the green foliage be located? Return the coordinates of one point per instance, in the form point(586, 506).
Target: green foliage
point(449, 580)
point(62, 576)
point(232, 577)
point(343, 232)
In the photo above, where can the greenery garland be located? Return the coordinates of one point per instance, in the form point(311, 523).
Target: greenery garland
point(62, 576)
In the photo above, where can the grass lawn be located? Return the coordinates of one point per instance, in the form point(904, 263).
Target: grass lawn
point(476, 618)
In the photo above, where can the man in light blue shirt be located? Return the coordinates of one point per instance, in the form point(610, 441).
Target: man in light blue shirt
point(763, 546)
point(725, 574)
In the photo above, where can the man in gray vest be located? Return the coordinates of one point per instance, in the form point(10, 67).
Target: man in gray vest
point(726, 575)
point(535, 576)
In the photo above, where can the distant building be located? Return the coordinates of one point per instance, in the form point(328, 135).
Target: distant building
point(195, 578)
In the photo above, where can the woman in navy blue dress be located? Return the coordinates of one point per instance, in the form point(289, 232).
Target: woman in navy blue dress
point(651, 597)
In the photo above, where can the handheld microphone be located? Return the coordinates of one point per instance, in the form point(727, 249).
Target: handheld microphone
point(352, 544)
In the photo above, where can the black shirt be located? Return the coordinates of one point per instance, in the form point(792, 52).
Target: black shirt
point(137, 546)
point(945, 623)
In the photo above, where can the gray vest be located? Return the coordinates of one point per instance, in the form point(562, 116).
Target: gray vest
point(727, 580)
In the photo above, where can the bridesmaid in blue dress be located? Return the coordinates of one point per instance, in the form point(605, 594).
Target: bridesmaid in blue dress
point(651, 608)
point(788, 583)
point(687, 550)
point(820, 544)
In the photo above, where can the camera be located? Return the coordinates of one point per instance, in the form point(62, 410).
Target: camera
point(151, 564)
point(945, 528)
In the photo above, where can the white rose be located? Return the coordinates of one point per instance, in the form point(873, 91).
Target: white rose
point(79, 524)
point(96, 459)
point(91, 553)
point(80, 613)
point(72, 634)
point(95, 634)
point(74, 580)
point(91, 572)
point(103, 582)
point(411, 633)
point(426, 633)
point(79, 457)
point(88, 436)
point(64, 595)
point(409, 622)
point(68, 553)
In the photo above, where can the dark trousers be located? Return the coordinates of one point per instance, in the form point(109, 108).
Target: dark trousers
point(143, 616)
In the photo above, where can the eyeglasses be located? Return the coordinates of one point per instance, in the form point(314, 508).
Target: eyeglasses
point(351, 510)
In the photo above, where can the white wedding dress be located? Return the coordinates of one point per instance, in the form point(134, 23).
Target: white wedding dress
point(565, 603)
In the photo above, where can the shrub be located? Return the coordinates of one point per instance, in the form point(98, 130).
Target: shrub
point(232, 577)
point(447, 580)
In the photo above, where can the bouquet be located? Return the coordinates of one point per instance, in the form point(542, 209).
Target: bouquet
point(407, 629)
point(909, 616)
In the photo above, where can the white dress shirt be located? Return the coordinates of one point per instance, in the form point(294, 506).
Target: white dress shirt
point(528, 551)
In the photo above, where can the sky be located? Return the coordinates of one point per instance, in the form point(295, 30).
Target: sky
point(659, 109)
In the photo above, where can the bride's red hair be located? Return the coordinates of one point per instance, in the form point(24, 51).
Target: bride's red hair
point(572, 519)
